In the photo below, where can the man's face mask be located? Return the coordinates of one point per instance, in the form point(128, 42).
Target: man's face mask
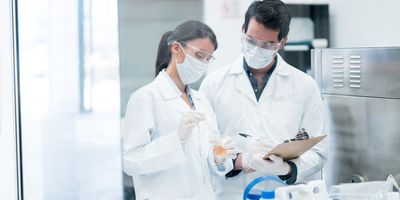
point(192, 68)
point(258, 54)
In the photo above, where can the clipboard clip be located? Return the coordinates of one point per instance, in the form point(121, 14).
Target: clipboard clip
point(301, 135)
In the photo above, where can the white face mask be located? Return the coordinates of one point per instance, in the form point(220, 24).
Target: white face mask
point(191, 70)
point(257, 57)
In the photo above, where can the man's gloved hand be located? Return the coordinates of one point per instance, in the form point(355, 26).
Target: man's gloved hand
point(262, 146)
point(259, 146)
point(188, 121)
point(274, 166)
point(224, 147)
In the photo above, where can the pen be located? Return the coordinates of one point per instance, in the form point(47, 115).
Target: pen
point(192, 102)
point(249, 136)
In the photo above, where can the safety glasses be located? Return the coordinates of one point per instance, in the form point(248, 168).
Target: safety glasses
point(199, 54)
point(265, 45)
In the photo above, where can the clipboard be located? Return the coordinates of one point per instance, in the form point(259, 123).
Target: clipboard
point(294, 149)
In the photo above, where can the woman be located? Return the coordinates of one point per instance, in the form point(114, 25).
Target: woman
point(168, 126)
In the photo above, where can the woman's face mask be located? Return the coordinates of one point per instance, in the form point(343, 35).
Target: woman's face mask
point(192, 69)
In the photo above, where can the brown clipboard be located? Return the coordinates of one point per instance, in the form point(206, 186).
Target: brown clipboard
point(294, 149)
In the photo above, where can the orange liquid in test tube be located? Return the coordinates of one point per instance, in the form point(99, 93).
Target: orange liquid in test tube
point(219, 150)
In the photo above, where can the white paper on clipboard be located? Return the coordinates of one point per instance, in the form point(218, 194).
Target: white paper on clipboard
point(294, 149)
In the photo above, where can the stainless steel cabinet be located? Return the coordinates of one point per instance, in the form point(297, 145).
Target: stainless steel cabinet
point(361, 92)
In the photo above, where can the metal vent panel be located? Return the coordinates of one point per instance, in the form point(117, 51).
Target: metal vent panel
point(373, 72)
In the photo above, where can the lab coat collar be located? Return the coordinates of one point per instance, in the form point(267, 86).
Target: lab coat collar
point(281, 67)
point(237, 66)
point(168, 89)
point(242, 82)
point(280, 84)
point(192, 92)
point(281, 73)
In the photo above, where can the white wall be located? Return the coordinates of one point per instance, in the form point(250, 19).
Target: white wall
point(226, 18)
point(141, 25)
point(353, 23)
point(365, 23)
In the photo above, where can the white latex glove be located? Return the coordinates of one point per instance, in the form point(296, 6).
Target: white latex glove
point(262, 147)
point(275, 166)
point(188, 121)
point(259, 146)
point(224, 148)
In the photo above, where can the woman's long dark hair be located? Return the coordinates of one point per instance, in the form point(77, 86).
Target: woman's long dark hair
point(184, 32)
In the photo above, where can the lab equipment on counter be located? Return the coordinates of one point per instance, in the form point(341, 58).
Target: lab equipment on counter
point(314, 190)
point(374, 190)
point(252, 194)
point(317, 190)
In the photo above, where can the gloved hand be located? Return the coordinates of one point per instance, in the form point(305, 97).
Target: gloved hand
point(257, 146)
point(224, 148)
point(261, 146)
point(275, 166)
point(188, 121)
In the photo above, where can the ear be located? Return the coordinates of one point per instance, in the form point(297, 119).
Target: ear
point(283, 42)
point(175, 48)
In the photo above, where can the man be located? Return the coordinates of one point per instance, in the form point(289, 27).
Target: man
point(261, 95)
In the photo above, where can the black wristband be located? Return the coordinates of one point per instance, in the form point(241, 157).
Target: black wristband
point(292, 176)
point(233, 172)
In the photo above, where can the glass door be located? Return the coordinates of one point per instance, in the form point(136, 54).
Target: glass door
point(70, 101)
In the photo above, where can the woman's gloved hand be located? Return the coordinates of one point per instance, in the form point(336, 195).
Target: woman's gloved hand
point(188, 121)
point(224, 147)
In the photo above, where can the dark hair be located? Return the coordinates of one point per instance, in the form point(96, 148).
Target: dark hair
point(273, 14)
point(184, 32)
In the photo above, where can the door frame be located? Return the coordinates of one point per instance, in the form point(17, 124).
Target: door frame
point(10, 149)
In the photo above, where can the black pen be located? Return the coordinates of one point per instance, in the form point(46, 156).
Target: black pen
point(249, 136)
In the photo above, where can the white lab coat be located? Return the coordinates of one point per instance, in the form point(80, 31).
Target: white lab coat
point(160, 166)
point(291, 100)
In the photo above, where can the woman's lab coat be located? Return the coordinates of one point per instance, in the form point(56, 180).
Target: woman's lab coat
point(161, 167)
point(291, 100)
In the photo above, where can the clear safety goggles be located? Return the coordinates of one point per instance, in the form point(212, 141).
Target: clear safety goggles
point(265, 45)
point(199, 54)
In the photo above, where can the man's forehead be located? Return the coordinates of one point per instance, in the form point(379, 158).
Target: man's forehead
point(258, 31)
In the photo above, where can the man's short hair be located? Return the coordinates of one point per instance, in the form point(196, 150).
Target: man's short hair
point(273, 14)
